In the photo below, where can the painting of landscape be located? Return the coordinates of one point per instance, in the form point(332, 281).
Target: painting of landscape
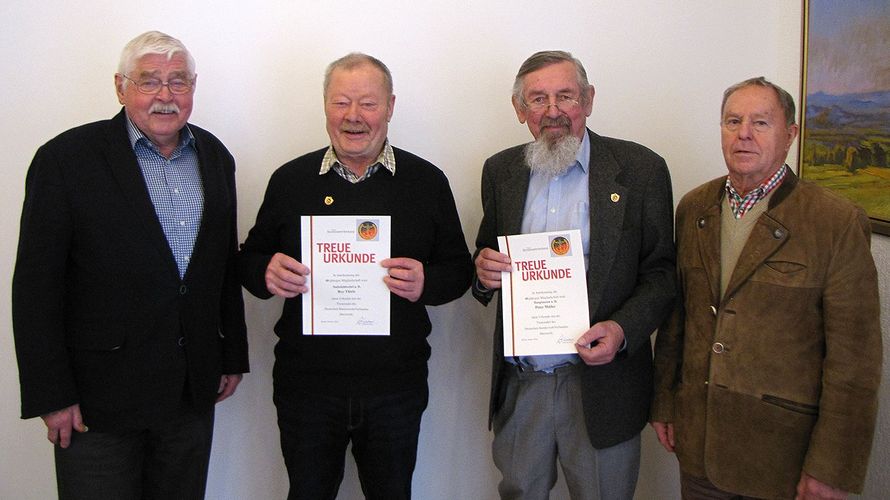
point(845, 131)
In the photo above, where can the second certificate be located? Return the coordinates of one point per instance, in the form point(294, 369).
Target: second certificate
point(347, 295)
point(545, 296)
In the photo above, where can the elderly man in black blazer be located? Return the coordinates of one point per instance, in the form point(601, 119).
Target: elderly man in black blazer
point(585, 409)
point(128, 317)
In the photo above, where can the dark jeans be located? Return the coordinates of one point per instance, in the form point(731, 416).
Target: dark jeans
point(316, 429)
point(166, 461)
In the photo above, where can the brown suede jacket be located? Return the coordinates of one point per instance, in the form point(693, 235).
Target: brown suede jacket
point(781, 373)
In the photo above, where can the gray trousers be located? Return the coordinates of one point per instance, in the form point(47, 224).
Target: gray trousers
point(542, 421)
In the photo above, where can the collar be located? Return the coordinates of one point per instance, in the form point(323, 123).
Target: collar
point(583, 156)
point(185, 136)
point(741, 204)
point(386, 158)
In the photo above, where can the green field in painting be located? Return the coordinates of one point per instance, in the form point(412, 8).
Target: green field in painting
point(869, 187)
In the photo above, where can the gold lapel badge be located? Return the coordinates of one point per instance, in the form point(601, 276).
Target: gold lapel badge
point(328, 200)
point(615, 197)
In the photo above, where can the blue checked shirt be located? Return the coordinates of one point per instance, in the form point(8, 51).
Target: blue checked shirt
point(175, 188)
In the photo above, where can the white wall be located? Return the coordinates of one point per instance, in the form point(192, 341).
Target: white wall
point(659, 69)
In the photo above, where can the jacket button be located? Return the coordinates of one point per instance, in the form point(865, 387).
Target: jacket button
point(718, 348)
point(183, 290)
point(779, 233)
point(181, 341)
point(701, 222)
point(714, 310)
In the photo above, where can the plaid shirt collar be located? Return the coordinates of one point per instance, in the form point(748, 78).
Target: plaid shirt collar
point(386, 158)
point(740, 205)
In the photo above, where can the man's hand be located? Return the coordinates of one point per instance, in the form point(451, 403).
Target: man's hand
point(599, 344)
point(810, 488)
point(286, 276)
point(665, 433)
point(405, 277)
point(489, 266)
point(227, 386)
point(60, 423)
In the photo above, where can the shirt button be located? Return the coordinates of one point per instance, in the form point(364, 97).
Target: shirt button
point(718, 348)
point(552, 210)
point(176, 190)
point(182, 223)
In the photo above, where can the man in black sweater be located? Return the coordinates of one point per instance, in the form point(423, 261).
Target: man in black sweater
point(370, 390)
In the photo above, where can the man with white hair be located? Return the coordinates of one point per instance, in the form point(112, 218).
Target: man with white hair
point(367, 391)
point(585, 409)
point(127, 314)
point(767, 371)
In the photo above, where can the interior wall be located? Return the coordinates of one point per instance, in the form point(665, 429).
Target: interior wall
point(659, 70)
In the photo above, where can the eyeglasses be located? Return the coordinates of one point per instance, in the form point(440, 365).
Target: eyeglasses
point(732, 124)
point(563, 103)
point(154, 85)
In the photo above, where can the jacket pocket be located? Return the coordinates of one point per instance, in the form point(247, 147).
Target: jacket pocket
point(789, 405)
point(785, 273)
point(107, 335)
point(785, 267)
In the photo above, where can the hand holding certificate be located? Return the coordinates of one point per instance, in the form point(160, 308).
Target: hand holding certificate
point(545, 296)
point(347, 294)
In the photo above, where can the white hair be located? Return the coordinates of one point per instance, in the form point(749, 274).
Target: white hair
point(153, 42)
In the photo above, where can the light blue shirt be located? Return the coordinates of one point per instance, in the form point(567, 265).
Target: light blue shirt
point(558, 204)
point(174, 186)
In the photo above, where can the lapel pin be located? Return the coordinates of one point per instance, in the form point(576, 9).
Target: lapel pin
point(615, 197)
point(328, 200)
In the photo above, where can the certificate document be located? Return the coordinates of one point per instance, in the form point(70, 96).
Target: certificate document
point(545, 297)
point(347, 295)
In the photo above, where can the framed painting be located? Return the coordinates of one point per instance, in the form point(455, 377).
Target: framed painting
point(845, 102)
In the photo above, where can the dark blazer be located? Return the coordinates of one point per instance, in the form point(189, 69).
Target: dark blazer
point(100, 314)
point(794, 383)
point(630, 275)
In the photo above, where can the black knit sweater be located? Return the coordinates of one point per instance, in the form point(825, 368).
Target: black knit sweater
point(425, 227)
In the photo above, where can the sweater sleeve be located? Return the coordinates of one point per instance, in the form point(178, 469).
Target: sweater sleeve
point(448, 271)
point(261, 242)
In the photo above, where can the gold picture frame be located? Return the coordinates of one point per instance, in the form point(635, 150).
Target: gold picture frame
point(845, 102)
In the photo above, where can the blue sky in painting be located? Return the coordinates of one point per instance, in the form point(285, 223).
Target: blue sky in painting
point(849, 46)
point(831, 14)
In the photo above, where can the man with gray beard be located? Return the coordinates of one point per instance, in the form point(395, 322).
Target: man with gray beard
point(585, 409)
point(552, 157)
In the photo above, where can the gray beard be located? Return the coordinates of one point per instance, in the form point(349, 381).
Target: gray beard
point(542, 157)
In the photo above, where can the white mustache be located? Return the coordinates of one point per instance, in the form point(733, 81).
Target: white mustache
point(164, 108)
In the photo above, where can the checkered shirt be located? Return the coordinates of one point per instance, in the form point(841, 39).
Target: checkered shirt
point(175, 188)
point(740, 205)
point(385, 158)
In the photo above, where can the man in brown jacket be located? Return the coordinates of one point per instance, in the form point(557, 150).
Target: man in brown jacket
point(767, 372)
